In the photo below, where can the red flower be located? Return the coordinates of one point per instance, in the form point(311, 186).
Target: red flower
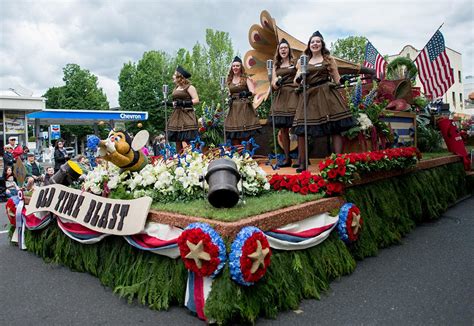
point(296, 188)
point(341, 170)
point(332, 174)
point(334, 188)
point(313, 188)
point(249, 247)
point(304, 190)
point(195, 236)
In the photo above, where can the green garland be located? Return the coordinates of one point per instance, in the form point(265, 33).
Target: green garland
point(394, 66)
point(390, 208)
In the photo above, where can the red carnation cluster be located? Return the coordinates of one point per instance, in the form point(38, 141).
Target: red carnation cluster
point(194, 236)
point(340, 169)
point(249, 247)
point(349, 229)
point(303, 183)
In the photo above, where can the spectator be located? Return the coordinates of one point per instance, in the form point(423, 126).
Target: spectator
point(34, 172)
point(8, 159)
point(10, 182)
point(60, 155)
point(48, 175)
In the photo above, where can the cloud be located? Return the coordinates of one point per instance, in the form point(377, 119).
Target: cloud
point(39, 38)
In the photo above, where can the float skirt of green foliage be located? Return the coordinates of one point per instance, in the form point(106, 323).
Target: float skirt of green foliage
point(390, 209)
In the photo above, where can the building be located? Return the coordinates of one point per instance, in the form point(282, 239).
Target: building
point(15, 104)
point(469, 94)
point(454, 96)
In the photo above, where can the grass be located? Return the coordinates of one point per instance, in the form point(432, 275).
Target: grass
point(252, 206)
point(430, 155)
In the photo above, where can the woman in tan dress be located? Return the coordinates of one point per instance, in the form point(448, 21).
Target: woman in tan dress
point(285, 99)
point(242, 120)
point(326, 112)
point(182, 125)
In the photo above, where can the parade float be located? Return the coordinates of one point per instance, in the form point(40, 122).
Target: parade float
point(220, 233)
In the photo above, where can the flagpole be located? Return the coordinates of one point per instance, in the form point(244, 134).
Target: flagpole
point(429, 40)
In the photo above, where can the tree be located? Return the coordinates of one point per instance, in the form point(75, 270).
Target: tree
point(351, 48)
point(141, 84)
point(80, 92)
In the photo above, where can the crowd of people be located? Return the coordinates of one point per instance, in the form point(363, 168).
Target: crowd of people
point(37, 174)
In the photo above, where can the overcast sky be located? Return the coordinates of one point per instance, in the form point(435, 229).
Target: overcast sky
point(38, 38)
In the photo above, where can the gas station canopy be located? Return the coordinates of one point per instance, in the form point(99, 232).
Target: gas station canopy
point(84, 117)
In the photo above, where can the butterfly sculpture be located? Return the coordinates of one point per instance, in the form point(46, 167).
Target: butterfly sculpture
point(264, 39)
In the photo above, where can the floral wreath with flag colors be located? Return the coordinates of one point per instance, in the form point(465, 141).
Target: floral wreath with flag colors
point(250, 256)
point(202, 249)
point(350, 223)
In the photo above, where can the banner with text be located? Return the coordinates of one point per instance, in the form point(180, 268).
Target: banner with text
point(112, 216)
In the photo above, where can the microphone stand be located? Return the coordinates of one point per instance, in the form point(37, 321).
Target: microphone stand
point(270, 73)
point(304, 71)
point(224, 115)
point(165, 96)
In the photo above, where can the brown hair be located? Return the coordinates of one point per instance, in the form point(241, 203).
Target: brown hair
point(243, 75)
point(181, 81)
point(279, 60)
point(327, 58)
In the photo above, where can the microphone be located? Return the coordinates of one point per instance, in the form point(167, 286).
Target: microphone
point(304, 64)
point(222, 83)
point(270, 69)
point(165, 91)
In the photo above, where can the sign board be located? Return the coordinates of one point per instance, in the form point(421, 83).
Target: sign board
point(55, 132)
point(111, 216)
point(14, 122)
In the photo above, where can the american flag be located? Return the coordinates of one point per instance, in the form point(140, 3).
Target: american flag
point(434, 68)
point(374, 60)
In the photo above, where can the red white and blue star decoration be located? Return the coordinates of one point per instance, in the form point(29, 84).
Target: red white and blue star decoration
point(350, 223)
point(202, 249)
point(250, 256)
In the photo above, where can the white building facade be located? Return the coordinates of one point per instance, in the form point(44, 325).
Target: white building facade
point(454, 95)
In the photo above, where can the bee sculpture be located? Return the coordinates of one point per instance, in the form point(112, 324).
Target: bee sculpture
point(121, 150)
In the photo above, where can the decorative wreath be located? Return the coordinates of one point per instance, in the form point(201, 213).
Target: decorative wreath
point(202, 249)
point(394, 66)
point(250, 256)
point(350, 223)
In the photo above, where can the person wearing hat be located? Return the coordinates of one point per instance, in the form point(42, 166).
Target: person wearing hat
point(8, 159)
point(285, 99)
point(34, 171)
point(60, 155)
point(327, 113)
point(182, 124)
point(242, 120)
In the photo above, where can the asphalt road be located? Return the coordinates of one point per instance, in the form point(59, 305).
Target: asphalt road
point(428, 280)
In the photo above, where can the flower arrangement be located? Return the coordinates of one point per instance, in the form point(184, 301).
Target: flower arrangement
point(367, 111)
point(250, 256)
point(176, 178)
point(350, 223)
point(211, 125)
point(202, 249)
point(340, 169)
point(302, 183)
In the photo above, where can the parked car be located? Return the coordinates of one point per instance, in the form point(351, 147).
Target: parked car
point(70, 151)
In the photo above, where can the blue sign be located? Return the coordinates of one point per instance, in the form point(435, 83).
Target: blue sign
point(55, 132)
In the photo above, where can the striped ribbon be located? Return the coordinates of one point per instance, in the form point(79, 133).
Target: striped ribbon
point(79, 233)
point(197, 292)
point(161, 239)
point(302, 235)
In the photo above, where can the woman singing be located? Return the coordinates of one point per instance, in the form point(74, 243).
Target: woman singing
point(285, 101)
point(326, 111)
point(182, 125)
point(242, 121)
